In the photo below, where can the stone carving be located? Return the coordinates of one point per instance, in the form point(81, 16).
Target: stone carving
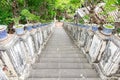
point(18, 52)
point(110, 61)
point(83, 37)
point(5, 61)
point(89, 39)
point(79, 33)
point(95, 48)
point(104, 51)
point(75, 32)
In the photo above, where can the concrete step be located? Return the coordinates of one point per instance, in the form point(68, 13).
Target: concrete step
point(61, 66)
point(62, 52)
point(62, 73)
point(49, 46)
point(63, 60)
point(64, 40)
point(59, 45)
point(62, 49)
point(63, 79)
point(60, 42)
point(59, 55)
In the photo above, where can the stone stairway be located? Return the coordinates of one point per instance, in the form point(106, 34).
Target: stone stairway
point(62, 60)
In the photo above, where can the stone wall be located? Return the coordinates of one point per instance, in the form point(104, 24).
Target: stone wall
point(102, 51)
point(18, 53)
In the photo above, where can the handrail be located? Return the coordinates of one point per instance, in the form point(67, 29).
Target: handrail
point(19, 52)
point(102, 51)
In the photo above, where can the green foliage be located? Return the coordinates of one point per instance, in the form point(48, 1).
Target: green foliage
point(25, 12)
point(109, 26)
point(118, 30)
point(110, 19)
point(110, 5)
point(5, 17)
point(44, 21)
point(81, 21)
point(29, 16)
point(118, 2)
point(5, 12)
point(69, 20)
point(48, 9)
point(16, 20)
point(86, 17)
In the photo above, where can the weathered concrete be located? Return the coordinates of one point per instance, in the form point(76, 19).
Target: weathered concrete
point(62, 60)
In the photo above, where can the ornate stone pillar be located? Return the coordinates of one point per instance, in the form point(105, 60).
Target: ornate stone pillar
point(98, 46)
point(110, 62)
point(13, 56)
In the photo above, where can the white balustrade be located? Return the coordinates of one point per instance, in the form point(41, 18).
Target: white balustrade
point(101, 50)
point(17, 53)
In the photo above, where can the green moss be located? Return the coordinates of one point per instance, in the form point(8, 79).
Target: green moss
point(18, 26)
point(109, 26)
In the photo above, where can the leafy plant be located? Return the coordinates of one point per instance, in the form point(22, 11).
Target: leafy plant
point(107, 8)
point(29, 16)
point(16, 20)
point(110, 19)
point(118, 30)
point(108, 26)
point(86, 17)
point(48, 9)
point(81, 21)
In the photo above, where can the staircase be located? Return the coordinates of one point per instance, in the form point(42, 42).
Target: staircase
point(62, 60)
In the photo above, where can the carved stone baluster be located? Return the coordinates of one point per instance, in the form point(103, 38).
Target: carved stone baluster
point(31, 46)
point(98, 46)
point(83, 37)
point(18, 60)
point(7, 55)
point(79, 33)
point(20, 50)
point(40, 36)
point(14, 60)
point(89, 40)
point(7, 61)
point(69, 30)
point(24, 51)
point(34, 38)
point(44, 34)
point(39, 40)
point(76, 33)
point(49, 29)
point(26, 46)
